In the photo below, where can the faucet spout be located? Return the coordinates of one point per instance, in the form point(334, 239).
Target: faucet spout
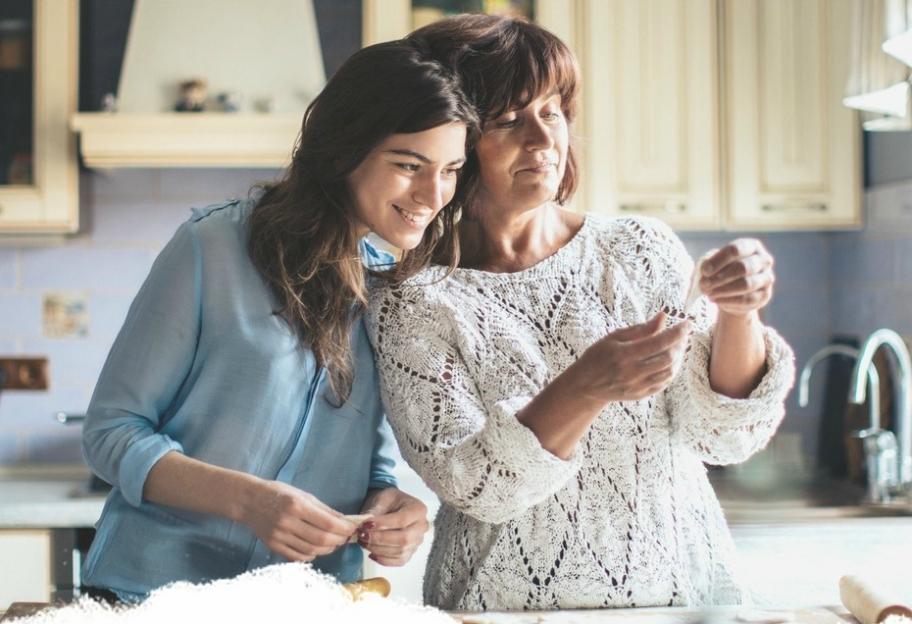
point(902, 385)
point(847, 351)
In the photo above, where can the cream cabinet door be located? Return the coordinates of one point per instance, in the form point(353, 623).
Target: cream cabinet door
point(651, 110)
point(25, 566)
point(791, 146)
point(384, 20)
point(45, 200)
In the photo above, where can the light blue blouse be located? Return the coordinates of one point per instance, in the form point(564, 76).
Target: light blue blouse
point(204, 367)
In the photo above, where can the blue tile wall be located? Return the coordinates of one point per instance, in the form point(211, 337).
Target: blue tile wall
point(8, 269)
point(127, 216)
point(871, 270)
point(827, 282)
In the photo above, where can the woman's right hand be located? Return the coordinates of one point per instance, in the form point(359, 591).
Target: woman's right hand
point(634, 362)
point(294, 523)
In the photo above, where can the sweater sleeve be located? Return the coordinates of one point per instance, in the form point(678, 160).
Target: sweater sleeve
point(145, 369)
point(474, 454)
point(718, 429)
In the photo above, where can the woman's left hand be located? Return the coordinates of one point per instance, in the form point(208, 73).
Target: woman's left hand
point(739, 277)
point(397, 529)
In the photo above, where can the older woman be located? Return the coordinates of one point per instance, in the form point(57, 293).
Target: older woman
point(536, 386)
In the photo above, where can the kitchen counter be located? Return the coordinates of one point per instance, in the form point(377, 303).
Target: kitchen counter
point(680, 615)
point(676, 615)
point(48, 502)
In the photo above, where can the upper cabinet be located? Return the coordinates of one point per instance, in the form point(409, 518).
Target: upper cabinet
point(38, 77)
point(384, 20)
point(651, 110)
point(791, 146)
point(708, 114)
point(720, 113)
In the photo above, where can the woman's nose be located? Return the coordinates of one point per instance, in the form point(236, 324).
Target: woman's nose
point(428, 192)
point(538, 136)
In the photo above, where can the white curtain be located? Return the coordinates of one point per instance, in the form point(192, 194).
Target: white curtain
point(879, 83)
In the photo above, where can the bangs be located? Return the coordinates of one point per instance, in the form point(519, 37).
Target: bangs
point(529, 63)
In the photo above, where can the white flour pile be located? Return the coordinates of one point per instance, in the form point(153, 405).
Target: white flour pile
point(288, 592)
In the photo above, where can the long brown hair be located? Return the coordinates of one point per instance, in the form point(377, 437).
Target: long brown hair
point(505, 63)
point(303, 232)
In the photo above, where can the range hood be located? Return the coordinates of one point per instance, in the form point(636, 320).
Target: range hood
point(267, 55)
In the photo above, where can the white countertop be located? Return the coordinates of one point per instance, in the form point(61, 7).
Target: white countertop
point(673, 615)
point(680, 615)
point(48, 502)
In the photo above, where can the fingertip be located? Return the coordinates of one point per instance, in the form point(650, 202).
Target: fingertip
point(658, 320)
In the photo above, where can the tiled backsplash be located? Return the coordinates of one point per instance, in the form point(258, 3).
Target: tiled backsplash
point(871, 271)
point(847, 282)
point(127, 216)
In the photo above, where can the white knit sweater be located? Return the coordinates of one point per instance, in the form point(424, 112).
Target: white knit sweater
point(630, 519)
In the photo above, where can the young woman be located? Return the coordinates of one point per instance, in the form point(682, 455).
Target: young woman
point(537, 389)
point(238, 414)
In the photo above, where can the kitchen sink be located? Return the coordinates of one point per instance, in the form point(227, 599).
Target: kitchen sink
point(741, 513)
point(807, 498)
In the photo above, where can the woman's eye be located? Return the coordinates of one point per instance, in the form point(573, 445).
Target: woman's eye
point(410, 167)
point(506, 123)
point(551, 115)
point(452, 172)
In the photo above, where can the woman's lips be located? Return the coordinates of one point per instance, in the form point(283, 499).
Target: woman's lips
point(416, 219)
point(539, 168)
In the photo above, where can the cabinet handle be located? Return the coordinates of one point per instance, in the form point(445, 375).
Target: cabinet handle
point(809, 207)
point(667, 207)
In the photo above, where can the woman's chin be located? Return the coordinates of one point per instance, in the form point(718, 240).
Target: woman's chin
point(405, 242)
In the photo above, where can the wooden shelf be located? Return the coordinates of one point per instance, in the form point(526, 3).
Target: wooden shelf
point(116, 140)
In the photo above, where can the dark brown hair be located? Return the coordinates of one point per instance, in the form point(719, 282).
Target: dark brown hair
point(303, 232)
point(505, 63)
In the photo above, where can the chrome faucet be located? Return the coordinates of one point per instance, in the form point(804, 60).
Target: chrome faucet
point(852, 352)
point(879, 445)
point(902, 384)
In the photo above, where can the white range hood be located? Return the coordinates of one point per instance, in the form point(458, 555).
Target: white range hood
point(268, 51)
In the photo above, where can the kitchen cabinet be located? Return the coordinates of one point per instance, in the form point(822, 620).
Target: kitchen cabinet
point(25, 566)
point(651, 87)
point(384, 20)
point(46, 520)
point(38, 71)
point(719, 113)
point(791, 146)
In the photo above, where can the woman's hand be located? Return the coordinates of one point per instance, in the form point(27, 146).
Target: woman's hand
point(739, 277)
point(294, 523)
point(397, 529)
point(632, 363)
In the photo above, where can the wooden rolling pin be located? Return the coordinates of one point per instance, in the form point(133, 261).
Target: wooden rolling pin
point(868, 604)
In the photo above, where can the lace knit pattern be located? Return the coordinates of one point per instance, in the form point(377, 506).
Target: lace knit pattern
point(630, 519)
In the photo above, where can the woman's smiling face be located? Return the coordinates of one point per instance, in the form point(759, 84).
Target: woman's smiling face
point(405, 180)
point(522, 154)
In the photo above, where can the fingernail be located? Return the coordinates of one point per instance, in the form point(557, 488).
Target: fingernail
point(364, 535)
point(372, 557)
point(368, 525)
